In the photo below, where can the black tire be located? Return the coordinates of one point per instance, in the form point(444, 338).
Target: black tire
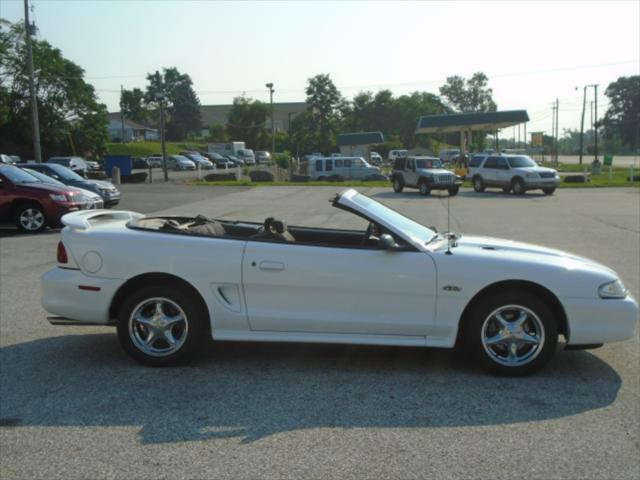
point(188, 334)
point(548, 191)
point(506, 189)
point(482, 323)
point(453, 191)
point(424, 189)
point(517, 185)
point(398, 185)
point(478, 184)
point(30, 217)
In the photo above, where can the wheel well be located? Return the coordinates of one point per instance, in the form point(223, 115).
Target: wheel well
point(424, 180)
point(543, 293)
point(18, 202)
point(517, 178)
point(147, 279)
point(476, 176)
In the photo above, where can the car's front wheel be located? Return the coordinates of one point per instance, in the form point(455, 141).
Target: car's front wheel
point(453, 191)
point(398, 185)
point(548, 191)
point(511, 334)
point(478, 184)
point(30, 218)
point(424, 188)
point(160, 325)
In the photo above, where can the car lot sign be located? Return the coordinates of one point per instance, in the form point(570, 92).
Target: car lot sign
point(608, 160)
point(536, 139)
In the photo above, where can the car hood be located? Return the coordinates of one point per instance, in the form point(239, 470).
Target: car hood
point(101, 183)
point(435, 171)
point(46, 186)
point(525, 251)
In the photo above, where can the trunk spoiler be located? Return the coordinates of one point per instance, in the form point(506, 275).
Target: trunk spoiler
point(82, 220)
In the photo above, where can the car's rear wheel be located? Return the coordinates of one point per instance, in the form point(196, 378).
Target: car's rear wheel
point(453, 191)
point(30, 218)
point(548, 191)
point(518, 186)
point(424, 188)
point(161, 325)
point(398, 185)
point(511, 334)
point(478, 184)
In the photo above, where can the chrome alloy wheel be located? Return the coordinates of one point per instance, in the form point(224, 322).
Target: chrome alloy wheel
point(158, 327)
point(512, 335)
point(31, 219)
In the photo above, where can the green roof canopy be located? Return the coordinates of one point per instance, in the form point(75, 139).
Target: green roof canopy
point(360, 138)
point(457, 122)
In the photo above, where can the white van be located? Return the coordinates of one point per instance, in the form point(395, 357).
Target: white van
point(347, 167)
point(447, 155)
point(393, 154)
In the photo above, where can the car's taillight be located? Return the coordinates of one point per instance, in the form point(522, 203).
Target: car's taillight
point(62, 253)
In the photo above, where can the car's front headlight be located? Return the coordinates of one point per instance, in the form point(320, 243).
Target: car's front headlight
point(58, 197)
point(614, 289)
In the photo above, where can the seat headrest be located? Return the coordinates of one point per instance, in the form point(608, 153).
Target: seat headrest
point(279, 226)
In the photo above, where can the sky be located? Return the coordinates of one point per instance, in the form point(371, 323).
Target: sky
point(532, 52)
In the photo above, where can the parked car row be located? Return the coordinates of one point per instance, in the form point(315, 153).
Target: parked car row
point(36, 195)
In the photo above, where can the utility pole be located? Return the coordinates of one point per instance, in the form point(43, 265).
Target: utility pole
point(595, 117)
point(584, 104)
point(557, 129)
point(273, 125)
point(121, 112)
point(28, 28)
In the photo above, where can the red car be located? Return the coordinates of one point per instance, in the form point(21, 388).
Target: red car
point(31, 204)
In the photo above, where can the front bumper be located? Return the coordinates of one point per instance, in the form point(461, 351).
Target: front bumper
point(535, 183)
point(599, 320)
point(444, 186)
point(62, 296)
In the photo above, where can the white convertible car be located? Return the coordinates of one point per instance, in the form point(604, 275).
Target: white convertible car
point(167, 283)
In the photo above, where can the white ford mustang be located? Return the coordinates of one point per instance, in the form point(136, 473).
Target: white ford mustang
point(167, 283)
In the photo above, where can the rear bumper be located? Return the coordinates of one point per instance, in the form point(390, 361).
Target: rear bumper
point(600, 321)
point(61, 296)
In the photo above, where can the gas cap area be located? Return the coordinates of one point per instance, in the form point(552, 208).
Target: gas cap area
point(92, 262)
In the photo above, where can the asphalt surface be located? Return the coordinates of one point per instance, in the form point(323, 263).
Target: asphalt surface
point(73, 405)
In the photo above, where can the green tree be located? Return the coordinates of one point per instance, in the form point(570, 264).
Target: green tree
point(325, 104)
point(217, 133)
point(623, 116)
point(472, 95)
point(181, 101)
point(67, 105)
point(246, 122)
point(132, 105)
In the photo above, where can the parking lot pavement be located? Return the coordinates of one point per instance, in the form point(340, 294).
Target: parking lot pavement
point(72, 405)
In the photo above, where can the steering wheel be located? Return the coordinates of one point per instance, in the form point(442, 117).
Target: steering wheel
point(367, 233)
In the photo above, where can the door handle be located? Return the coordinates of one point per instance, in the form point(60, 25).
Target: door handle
point(272, 266)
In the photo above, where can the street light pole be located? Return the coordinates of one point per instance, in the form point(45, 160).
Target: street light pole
point(160, 99)
point(584, 104)
point(273, 125)
point(595, 117)
point(32, 86)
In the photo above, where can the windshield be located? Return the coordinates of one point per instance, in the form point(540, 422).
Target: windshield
point(435, 163)
point(65, 173)
point(519, 162)
point(18, 176)
point(181, 158)
point(396, 219)
point(42, 177)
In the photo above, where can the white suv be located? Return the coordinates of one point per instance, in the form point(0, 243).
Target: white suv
point(511, 172)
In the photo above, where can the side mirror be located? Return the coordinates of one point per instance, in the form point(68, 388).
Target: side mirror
point(387, 242)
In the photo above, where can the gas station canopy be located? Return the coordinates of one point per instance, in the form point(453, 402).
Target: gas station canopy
point(465, 122)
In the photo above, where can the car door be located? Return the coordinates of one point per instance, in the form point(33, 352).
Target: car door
point(503, 173)
point(489, 171)
point(410, 175)
point(292, 287)
point(6, 188)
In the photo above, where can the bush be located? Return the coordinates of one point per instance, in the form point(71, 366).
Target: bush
point(221, 177)
point(578, 178)
point(300, 178)
point(261, 176)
